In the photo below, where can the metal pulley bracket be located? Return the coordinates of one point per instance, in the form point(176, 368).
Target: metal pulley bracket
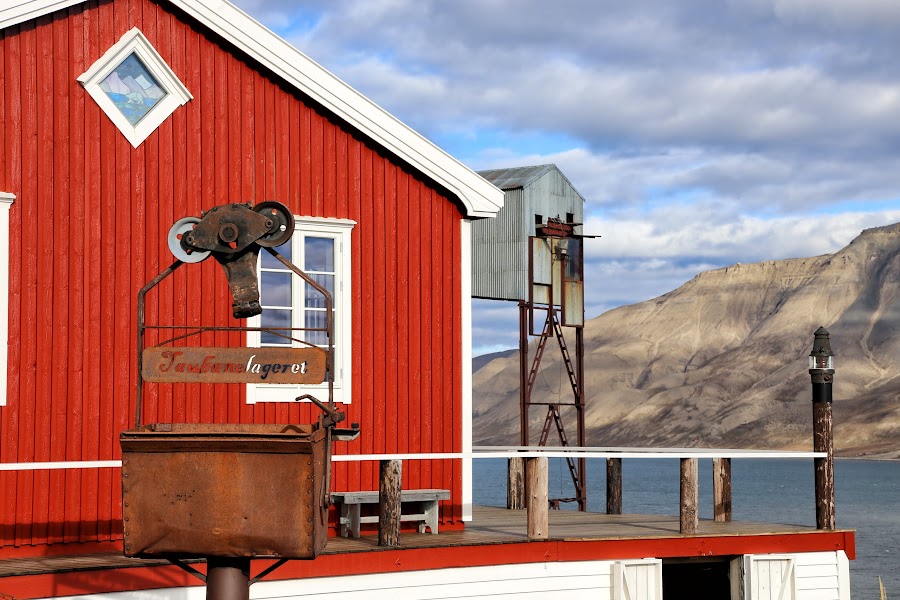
point(231, 228)
point(181, 228)
point(233, 234)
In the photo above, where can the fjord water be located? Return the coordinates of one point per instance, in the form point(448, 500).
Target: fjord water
point(867, 499)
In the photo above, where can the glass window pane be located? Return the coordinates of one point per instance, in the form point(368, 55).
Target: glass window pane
point(275, 318)
point(314, 298)
point(275, 289)
point(132, 89)
point(267, 261)
point(319, 254)
point(315, 318)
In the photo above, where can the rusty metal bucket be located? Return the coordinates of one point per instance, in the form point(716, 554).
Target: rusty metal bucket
point(225, 490)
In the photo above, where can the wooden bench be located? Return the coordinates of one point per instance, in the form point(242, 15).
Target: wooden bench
point(423, 503)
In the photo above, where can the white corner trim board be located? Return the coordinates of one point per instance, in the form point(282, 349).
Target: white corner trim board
point(6, 201)
point(466, 366)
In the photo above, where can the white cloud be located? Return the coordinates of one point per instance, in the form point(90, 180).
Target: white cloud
point(702, 133)
point(840, 14)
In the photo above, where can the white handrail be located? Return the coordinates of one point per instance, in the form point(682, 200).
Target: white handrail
point(480, 452)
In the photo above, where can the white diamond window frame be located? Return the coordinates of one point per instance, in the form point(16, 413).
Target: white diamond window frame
point(176, 94)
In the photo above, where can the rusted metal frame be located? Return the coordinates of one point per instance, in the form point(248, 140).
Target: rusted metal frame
point(553, 415)
point(329, 317)
point(538, 355)
point(524, 396)
point(268, 570)
point(567, 359)
point(187, 568)
point(206, 329)
point(531, 303)
point(580, 410)
point(545, 432)
point(564, 440)
point(329, 358)
point(526, 306)
point(141, 304)
point(563, 296)
point(541, 403)
point(575, 471)
point(575, 373)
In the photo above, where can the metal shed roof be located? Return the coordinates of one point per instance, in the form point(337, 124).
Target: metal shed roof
point(520, 177)
point(515, 177)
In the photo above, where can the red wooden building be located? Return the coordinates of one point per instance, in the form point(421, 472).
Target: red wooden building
point(226, 112)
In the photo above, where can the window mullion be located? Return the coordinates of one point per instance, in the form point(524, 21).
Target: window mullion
point(298, 289)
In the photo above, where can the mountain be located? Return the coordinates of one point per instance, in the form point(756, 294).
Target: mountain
point(722, 360)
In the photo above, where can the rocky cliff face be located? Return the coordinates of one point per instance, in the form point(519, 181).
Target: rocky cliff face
point(722, 360)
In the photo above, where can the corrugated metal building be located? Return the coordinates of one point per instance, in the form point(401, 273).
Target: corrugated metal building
point(500, 245)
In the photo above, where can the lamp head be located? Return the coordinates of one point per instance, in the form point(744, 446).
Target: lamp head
point(821, 356)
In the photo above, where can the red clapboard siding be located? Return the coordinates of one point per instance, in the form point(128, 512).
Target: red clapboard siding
point(88, 229)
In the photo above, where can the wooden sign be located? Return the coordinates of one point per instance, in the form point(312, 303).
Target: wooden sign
point(168, 364)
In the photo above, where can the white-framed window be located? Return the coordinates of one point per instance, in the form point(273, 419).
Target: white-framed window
point(6, 201)
point(320, 247)
point(134, 86)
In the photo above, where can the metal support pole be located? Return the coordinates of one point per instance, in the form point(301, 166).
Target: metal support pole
point(821, 362)
point(523, 373)
point(227, 578)
point(581, 492)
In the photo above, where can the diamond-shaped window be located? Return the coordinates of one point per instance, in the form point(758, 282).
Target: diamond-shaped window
point(134, 86)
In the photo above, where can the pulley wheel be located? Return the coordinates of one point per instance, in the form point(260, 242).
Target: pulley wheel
point(282, 223)
point(180, 228)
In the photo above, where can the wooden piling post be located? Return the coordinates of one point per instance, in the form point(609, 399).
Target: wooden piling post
point(515, 484)
point(821, 372)
point(823, 442)
point(391, 474)
point(614, 486)
point(722, 489)
point(537, 488)
point(690, 496)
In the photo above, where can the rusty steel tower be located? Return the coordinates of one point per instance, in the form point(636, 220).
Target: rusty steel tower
point(532, 253)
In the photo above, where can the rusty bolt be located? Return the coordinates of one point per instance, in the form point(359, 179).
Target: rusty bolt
point(228, 232)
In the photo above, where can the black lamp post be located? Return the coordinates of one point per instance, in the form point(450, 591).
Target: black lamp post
point(821, 372)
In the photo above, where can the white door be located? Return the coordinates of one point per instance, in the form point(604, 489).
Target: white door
point(769, 577)
point(637, 579)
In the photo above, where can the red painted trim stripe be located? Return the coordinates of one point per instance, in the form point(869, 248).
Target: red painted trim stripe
point(396, 561)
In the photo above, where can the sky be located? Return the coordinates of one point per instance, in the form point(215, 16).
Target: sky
point(700, 133)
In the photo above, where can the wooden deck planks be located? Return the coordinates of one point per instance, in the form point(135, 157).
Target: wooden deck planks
point(489, 526)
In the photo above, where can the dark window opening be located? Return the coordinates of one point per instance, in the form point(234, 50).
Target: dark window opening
point(570, 217)
point(538, 220)
point(697, 580)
